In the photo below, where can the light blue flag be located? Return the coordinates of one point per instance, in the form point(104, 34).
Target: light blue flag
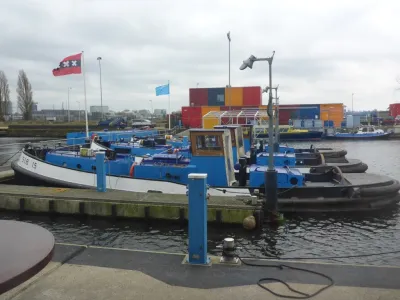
point(162, 90)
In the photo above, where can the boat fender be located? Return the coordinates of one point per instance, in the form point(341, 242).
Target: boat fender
point(176, 150)
point(132, 169)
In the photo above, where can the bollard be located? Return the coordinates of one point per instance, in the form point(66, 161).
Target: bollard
point(185, 141)
point(101, 172)
point(198, 219)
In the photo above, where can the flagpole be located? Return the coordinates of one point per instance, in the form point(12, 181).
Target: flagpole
point(84, 91)
point(169, 106)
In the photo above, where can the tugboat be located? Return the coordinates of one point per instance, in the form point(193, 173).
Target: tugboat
point(211, 153)
point(362, 133)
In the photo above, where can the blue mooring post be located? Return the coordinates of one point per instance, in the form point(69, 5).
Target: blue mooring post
point(198, 219)
point(101, 172)
point(185, 141)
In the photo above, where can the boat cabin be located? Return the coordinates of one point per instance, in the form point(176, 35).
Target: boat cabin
point(212, 154)
point(369, 129)
point(237, 140)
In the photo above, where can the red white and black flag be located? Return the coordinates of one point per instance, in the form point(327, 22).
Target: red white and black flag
point(69, 65)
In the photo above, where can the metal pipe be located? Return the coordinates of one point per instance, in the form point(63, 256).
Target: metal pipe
point(270, 121)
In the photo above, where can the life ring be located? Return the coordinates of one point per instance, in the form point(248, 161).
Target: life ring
point(132, 169)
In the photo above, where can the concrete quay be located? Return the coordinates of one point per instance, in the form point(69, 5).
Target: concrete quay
point(118, 204)
point(87, 272)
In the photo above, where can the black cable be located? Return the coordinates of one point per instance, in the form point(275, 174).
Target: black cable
point(281, 267)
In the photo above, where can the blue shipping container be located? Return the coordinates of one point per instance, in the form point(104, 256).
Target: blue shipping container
point(216, 96)
point(309, 111)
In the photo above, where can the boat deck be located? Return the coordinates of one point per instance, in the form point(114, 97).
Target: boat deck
point(89, 272)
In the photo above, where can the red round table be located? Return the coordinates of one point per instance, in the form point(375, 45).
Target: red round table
point(25, 249)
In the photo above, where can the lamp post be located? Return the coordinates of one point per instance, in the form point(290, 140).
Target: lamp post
point(101, 89)
point(352, 101)
point(79, 110)
point(271, 181)
point(229, 69)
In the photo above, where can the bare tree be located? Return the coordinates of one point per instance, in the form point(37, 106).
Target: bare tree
point(25, 95)
point(4, 94)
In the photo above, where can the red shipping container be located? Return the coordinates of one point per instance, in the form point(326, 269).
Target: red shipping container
point(394, 109)
point(198, 97)
point(252, 96)
point(286, 114)
point(191, 117)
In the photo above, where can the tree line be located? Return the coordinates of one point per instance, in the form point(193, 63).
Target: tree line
point(24, 95)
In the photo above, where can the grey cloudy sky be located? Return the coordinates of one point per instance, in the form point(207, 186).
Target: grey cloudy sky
point(325, 50)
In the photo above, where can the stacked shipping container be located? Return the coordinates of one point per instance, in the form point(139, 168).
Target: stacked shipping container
point(192, 116)
point(204, 100)
point(234, 96)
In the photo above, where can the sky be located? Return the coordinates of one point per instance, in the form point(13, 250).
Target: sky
point(324, 50)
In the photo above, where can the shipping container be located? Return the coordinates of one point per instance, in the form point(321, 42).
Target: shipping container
point(394, 110)
point(286, 114)
point(234, 96)
point(207, 109)
point(216, 96)
point(310, 111)
point(191, 117)
point(210, 122)
point(252, 96)
point(198, 97)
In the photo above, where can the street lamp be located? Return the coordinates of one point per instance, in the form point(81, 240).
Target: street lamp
point(101, 89)
point(352, 107)
point(229, 68)
point(79, 110)
point(271, 181)
point(69, 118)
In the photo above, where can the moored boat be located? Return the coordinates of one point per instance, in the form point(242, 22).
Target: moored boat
point(289, 134)
point(362, 133)
point(211, 153)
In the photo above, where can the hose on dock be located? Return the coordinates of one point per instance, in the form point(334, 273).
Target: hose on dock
point(230, 253)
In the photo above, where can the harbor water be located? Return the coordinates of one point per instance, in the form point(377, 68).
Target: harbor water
point(316, 235)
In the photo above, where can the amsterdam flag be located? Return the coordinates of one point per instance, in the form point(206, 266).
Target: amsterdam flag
point(69, 65)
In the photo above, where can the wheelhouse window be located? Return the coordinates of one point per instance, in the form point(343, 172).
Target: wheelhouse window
point(365, 129)
point(208, 143)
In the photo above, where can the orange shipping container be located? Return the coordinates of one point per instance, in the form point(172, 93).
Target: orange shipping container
point(206, 109)
point(210, 122)
point(334, 107)
point(234, 96)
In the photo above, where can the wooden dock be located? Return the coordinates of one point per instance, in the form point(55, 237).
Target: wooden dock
point(118, 204)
